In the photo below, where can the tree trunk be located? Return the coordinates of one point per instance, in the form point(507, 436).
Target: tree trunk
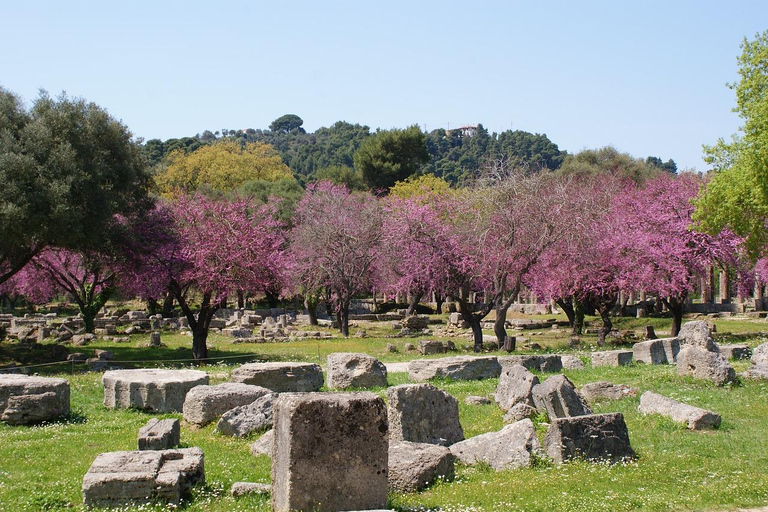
point(240, 299)
point(603, 305)
point(88, 320)
point(200, 325)
point(473, 319)
point(271, 299)
point(200, 343)
point(168, 305)
point(344, 319)
point(675, 306)
point(152, 306)
point(574, 311)
point(310, 303)
point(415, 298)
point(567, 308)
point(439, 300)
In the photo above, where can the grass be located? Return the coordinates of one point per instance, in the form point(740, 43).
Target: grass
point(41, 467)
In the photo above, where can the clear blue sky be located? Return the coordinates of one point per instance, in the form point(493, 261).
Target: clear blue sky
point(648, 77)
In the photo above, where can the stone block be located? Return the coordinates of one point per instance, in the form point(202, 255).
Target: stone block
point(697, 362)
point(204, 404)
point(330, 452)
point(511, 447)
point(548, 363)
point(240, 489)
point(697, 333)
point(264, 444)
point(650, 352)
point(422, 413)
point(671, 348)
point(159, 434)
point(595, 437)
point(557, 396)
point(572, 362)
point(736, 351)
point(612, 358)
point(427, 347)
point(519, 412)
point(693, 417)
point(347, 370)
point(603, 390)
point(281, 377)
point(151, 389)
point(414, 466)
point(242, 421)
point(515, 386)
point(455, 368)
point(27, 400)
point(126, 479)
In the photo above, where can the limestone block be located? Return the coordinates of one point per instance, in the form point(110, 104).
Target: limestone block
point(595, 437)
point(455, 368)
point(511, 447)
point(515, 386)
point(330, 452)
point(693, 417)
point(422, 413)
point(557, 396)
point(281, 377)
point(649, 352)
point(159, 434)
point(414, 466)
point(612, 358)
point(242, 421)
point(26, 400)
point(204, 404)
point(152, 389)
point(347, 370)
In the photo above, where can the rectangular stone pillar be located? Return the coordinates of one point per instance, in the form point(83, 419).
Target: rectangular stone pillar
point(330, 452)
point(725, 287)
point(708, 286)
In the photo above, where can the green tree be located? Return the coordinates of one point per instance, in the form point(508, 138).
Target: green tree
point(391, 156)
point(342, 175)
point(608, 159)
point(67, 168)
point(287, 124)
point(737, 193)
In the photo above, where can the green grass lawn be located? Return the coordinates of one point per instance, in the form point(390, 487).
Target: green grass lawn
point(41, 468)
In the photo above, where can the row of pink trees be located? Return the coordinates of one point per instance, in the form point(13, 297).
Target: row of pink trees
point(575, 240)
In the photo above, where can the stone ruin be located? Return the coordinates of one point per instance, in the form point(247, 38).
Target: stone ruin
point(28, 400)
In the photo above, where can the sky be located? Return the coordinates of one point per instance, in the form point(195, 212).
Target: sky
point(647, 77)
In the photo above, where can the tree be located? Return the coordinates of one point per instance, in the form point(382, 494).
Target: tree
point(608, 160)
point(287, 124)
point(334, 244)
point(424, 187)
point(737, 194)
point(67, 168)
point(342, 175)
point(210, 247)
point(221, 167)
point(391, 156)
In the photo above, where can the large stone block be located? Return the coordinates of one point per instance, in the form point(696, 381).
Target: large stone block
point(206, 403)
point(515, 386)
point(736, 351)
point(27, 400)
point(455, 368)
point(264, 445)
point(414, 466)
point(159, 434)
point(596, 437)
point(330, 452)
point(604, 390)
point(422, 413)
point(281, 377)
point(612, 358)
point(548, 363)
point(241, 421)
point(134, 478)
point(151, 389)
point(557, 396)
point(511, 447)
point(697, 362)
point(693, 417)
point(697, 333)
point(671, 348)
point(428, 347)
point(346, 370)
point(650, 352)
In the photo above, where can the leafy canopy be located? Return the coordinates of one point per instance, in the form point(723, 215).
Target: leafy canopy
point(737, 195)
point(221, 166)
point(391, 156)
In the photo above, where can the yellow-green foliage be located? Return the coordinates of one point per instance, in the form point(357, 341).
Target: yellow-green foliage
point(426, 186)
point(221, 166)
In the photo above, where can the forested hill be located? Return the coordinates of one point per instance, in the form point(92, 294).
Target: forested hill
point(453, 154)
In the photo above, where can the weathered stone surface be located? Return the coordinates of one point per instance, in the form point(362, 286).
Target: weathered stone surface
point(151, 389)
point(27, 400)
point(241, 421)
point(510, 447)
point(477, 400)
point(427, 347)
point(456, 368)
point(515, 386)
point(422, 413)
point(264, 445)
point(604, 390)
point(557, 396)
point(736, 351)
point(519, 412)
point(572, 362)
point(650, 352)
point(240, 489)
point(693, 417)
point(281, 377)
point(596, 437)
point(671, 348)
point(347, 370)
point(612, 358)
point(414, 466)
point(159, 434)
point(697, 333)
point(699, 363)
point(548, 363)
point(759, 368)
point(135, 478)
point(206, 403)
point(330, 452)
